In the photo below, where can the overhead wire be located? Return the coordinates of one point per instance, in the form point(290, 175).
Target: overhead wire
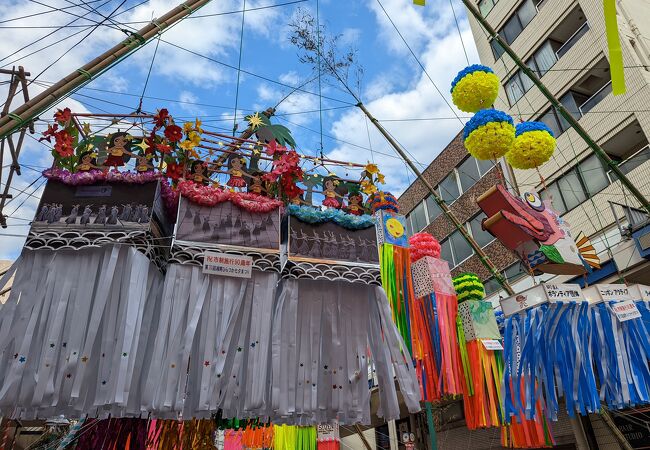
point(241, 48)
point(13, 19)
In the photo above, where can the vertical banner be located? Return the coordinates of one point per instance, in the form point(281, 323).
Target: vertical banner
point(614, 46)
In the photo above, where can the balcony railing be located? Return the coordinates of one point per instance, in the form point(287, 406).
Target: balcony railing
point(575, 37)
point(595, 99)
point(631, 163)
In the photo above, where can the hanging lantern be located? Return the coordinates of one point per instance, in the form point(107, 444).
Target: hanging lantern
point(423, 244)
point(383, 201)
point(474, 88)
point(534, 145)
point(468, 287)
point(489, 134)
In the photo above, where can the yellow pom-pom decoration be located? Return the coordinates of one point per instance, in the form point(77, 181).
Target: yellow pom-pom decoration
point(489, 134)
point(475, 87)
point(534, 145)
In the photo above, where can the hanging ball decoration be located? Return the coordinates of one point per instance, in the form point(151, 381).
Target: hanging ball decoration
point(489, 134)
point(468, 287)
point(534, 145)
point(383, 201)
point(423, 244)
point(474, 88)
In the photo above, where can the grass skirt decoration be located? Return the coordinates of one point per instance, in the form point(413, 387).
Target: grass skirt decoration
point(75, 332)
point(621, 351)
point(548, 346)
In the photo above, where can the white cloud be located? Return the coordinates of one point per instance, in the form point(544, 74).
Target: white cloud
point(424, 140)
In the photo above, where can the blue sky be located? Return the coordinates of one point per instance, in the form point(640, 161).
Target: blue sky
point(393, 85)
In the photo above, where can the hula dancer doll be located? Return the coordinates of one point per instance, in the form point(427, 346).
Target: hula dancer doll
point(86, 162)
point(354, 204)
point(198, 173)
point(119, 150)
point(256, 186)
point(143, 164)
point(331, 200)
point(236, 172)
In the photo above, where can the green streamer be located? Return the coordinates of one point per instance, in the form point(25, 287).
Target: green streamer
point(462, 345)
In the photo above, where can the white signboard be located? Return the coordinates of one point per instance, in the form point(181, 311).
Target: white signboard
point(492, 344)
point(640, 292)
point(626, 310)
point(239, 266)
point(614, 292)
point(563, 292)
point(328, 432)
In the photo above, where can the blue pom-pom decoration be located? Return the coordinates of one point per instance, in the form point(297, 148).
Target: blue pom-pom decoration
point(524, 127)
point(467, 70)
point(483, 117)
point(313, 215)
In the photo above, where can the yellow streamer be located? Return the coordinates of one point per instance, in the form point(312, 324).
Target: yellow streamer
point(419, 2)
point(614, 45)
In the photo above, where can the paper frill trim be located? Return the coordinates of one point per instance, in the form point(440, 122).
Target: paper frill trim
point(423, 244)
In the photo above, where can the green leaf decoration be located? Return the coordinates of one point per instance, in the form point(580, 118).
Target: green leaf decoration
point(282, 135)
point(551, 253)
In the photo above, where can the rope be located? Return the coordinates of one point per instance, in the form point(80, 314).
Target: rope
point(320, 93)
point(241, 47)
point(460, 35)
point(146, 81)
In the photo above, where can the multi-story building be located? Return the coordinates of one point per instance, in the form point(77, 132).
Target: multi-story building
point(564, 42)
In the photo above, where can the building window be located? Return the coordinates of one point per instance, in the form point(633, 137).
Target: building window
point(455, 249)
point(553, 120)
point(448, 188)
point(497, 49)
point(484, 165)
point(491, 286)
point(485, 6)
point(514, 272)
point(433, 209)
point(515, 25)
point(468, 173)
point(481, 236)
point(593, 174)
point(418, 218)
point(516, 86)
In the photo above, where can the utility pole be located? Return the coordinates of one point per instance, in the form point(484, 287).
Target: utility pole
point(23, 115)
point(597, 149)
point(18, 78)
point(445, 209)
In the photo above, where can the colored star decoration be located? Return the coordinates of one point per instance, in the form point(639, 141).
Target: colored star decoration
point(255, 121)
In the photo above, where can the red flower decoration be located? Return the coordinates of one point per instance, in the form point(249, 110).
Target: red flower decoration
point(174, 133)
point(161, 117)
point(63, 116)
point(49, 133)
point(163, 148)
point(174, 171)
point(273, 148)
point(63, 144)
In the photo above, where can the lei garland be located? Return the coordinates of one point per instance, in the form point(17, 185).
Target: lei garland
point(211, 196)
point(93, 176)
point(312, 215)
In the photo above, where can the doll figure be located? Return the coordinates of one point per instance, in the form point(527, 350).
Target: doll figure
point(256, 186)
point(143, 164)
point(331, 200)
point(354, 204)
point(86, 162)
point(235, 165)
point(199, 173)
point(119, 150)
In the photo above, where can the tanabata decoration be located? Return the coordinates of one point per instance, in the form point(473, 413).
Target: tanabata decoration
point(468, 287)
point(534, 231)
point(328, 436)
point(474, 88)
point(620, 345)
point(76, 330)
point(547, 334)
point(534, 145)
point(433, 321)
point(482, 396)
point(489, 134)
point(394, 260)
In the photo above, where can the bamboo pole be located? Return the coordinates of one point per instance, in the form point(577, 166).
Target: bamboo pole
point(24, 114)
point(485, 260)
point(597, 149)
